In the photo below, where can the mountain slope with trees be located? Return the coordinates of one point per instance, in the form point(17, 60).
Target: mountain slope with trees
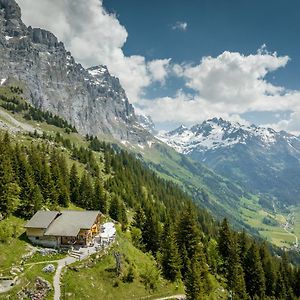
point(49, 171)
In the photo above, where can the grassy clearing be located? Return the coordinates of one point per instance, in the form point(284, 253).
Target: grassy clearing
point(254, 215)
point(13, 244)
point(279, 238)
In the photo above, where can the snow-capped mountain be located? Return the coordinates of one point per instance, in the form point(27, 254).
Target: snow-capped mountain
point(218, 133)
point(261, 159)
point(147, 123)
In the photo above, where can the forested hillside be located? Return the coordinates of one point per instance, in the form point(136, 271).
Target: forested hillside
point(47, 172)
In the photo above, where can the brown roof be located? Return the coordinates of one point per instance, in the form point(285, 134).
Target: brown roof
point(41, 219)
point(70, 222)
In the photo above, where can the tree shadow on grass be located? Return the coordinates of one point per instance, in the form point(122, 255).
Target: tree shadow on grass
point(23, 237)
point(111, 270)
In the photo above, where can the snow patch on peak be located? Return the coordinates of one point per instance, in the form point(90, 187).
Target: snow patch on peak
point(98, 70)
point(217, 133)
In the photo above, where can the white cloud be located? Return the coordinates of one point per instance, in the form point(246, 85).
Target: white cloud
point(181, 26)
point(94, 37)
point(227, 86)
point(159, 69)
point(291, 125)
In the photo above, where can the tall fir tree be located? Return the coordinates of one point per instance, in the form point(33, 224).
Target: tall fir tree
point(254, 273)
point(74, 185)
point(100, 198)
point(9, 188)
point(151, 231)
point(171, 260)
point(194, 283)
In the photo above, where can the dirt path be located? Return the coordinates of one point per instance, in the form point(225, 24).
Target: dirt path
point(56, 279)
point(179, 297)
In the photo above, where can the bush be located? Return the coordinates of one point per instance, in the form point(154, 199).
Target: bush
point(130, 274)
point(151, 278)
point(6, 232)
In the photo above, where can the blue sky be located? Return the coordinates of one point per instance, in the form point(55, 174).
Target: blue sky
point(186, 61)
point(213, 27)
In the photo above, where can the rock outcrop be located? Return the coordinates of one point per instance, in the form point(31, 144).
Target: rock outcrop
point(91, 99)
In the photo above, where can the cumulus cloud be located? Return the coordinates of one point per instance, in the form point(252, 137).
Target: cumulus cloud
point(95, 37)
point(227, 86)
point(291, 125)
point(181, 26)
point(159, 69)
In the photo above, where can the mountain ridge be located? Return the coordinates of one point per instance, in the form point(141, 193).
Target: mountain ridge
point(262, 160)
point(218, 133)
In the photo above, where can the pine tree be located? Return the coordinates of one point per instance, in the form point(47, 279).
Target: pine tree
point(269, 269)
point(193, 280)
point(151, 231)
point(224, 245)
point(190, 246)
point(37, 198)
point(213, 256)
point(114, 207)
point(232, 267)
point(171, 261)
point(280, 291)
point(235, 277)
point(254, 273)
point(100, 200)
point(297, 283)
point(139, 218)
point(9, 188)
point(74, 185)
point(59, 174)
point(47, 185)
point(86, 192)
point(26, 182)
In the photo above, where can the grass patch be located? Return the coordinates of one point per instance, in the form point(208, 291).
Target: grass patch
point(13, 244)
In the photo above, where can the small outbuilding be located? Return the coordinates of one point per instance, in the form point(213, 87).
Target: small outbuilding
point(63, 228)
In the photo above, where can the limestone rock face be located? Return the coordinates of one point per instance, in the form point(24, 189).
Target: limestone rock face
point(91, 99)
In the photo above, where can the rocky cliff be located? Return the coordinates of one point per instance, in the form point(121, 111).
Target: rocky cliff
point(91, 99)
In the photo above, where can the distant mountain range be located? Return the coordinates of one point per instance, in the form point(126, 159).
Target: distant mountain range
point(260, 159)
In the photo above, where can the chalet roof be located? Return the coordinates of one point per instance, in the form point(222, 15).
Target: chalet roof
point(41, 219)
point(70, 222)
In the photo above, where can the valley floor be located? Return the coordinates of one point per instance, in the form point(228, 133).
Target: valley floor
point(278, 226)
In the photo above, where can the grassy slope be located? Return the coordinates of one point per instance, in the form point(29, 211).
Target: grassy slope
point(11, 253)
point(101, 280)
point(96, 280)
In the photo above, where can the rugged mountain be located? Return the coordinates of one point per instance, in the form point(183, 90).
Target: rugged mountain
point(147, 123)
point(91, 99)
point(260, 159)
